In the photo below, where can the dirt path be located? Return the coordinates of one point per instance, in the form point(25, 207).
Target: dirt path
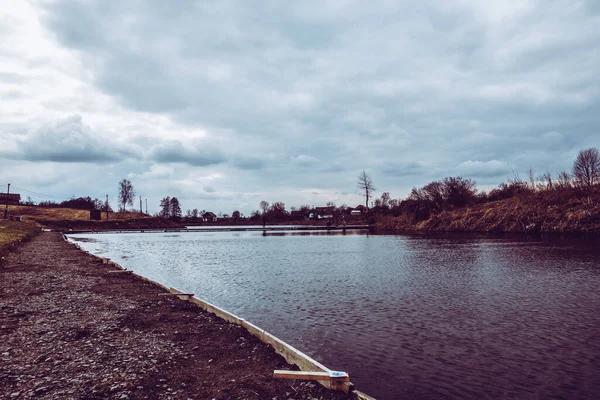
point(69, 329)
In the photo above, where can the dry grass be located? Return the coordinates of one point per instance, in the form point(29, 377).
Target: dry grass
point(540, 212)
point(12, 233)
point(65, 214)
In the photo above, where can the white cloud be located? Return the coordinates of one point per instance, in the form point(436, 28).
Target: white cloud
point(311, 93)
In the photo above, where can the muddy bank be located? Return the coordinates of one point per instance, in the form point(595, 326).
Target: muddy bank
point(70, 329)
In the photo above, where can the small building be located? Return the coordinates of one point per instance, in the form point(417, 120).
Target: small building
point(95, 215)
point(209, 217)
point(358, 210)
point(323, 212)
point(12, 199)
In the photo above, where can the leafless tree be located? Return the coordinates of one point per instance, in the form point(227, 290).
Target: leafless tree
point(586, 167)
point(365, 185)
point(264, 206)
point(126, 193)
point(385, 199)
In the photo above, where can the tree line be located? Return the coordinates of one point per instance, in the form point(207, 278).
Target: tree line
point(456, 192)
point(441, 195)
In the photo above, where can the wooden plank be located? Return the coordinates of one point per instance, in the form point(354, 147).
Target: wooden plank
point(355, 394)
point(177, 294)
point(312, 376)
point(121, 271)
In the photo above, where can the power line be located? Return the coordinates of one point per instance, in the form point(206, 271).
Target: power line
point(42, 195)
point(39, 194)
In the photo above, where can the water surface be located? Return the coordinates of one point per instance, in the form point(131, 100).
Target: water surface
point(406, 316)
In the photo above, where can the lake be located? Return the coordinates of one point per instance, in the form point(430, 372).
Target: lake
point(407, 316)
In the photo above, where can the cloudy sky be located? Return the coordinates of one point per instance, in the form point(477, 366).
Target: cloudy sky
point(224, 104)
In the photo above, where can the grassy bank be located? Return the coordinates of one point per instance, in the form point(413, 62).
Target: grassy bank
point(538, 212)
point(68, 218)
point(12, 233)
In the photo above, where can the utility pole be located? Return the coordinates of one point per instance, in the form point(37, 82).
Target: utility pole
point(141, 211)
point(146, 205)
point(7, 200)
point(107, 207)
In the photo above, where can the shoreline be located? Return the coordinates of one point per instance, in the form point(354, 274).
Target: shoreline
point(74, 329)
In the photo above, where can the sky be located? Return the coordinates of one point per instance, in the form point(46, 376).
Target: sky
point(224, 104)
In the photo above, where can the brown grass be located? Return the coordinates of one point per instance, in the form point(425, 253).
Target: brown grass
point(66, 214)
point(66, 219)
point(540, 212)
point(12, 233)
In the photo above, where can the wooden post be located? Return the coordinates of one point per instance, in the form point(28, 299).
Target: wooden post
point(146, 205)
point(7, 200)
point(107, 207)
point(141, 210)
point(332, 376)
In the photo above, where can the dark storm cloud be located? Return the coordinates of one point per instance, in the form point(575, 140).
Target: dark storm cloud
point(446, 87)
point(67, 141)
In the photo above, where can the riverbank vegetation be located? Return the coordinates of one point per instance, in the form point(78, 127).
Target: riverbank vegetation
point(565, 203)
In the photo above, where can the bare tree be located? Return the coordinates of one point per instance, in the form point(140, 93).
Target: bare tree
point(126, 193)
point(264, 206)
point(385, 199)
point(586, 167)
point(365, 185)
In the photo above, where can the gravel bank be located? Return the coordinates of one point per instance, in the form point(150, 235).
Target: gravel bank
point(69, 329)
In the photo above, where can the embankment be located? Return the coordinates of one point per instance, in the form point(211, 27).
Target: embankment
point(534, 213)
point(117, 224)
point(65, 219)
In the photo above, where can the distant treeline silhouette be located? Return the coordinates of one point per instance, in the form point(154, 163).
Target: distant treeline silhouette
point(447, 194)
point(79, 203)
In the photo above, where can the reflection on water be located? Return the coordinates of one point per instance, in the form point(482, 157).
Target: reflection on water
point(407, 316)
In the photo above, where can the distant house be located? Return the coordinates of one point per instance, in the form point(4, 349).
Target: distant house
point(323, 212)
point(12, 199)
point(209, 217)
point(359, 210)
